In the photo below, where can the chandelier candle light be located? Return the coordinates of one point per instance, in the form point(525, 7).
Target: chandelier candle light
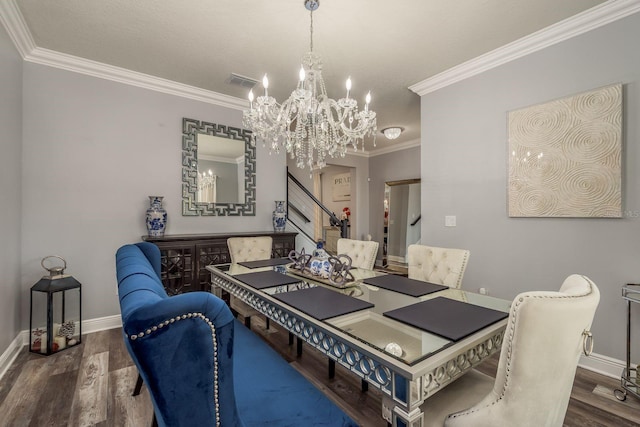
point(309, 125)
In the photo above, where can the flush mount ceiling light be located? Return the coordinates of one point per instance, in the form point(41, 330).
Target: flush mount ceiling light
point(309, 125)
point(392, 132)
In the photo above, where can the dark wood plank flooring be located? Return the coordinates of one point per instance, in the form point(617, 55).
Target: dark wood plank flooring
point(91, 384)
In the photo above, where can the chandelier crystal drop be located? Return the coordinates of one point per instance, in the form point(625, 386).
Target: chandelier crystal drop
point(309, 125)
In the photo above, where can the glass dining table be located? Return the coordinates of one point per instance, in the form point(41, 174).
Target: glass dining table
point(408, 346)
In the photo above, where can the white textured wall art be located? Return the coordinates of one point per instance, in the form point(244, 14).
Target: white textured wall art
point(565, 157)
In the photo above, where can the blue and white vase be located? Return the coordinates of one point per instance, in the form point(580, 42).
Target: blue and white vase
point(156, 217)
point(319, 263)
point(279, 217)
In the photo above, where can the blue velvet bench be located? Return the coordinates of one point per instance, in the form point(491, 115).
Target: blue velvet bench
point(203, 367)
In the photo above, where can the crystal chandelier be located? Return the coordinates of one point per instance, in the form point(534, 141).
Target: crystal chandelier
point(207, 187)
point(309, 125)
point(207, 179)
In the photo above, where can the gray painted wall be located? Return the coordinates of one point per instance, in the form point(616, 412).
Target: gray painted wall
point(464, 158)
point(10, 172)
point(394, 166)
point(93, 150)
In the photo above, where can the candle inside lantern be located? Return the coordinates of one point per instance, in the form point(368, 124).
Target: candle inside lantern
point(43, 343)
point(59, 343)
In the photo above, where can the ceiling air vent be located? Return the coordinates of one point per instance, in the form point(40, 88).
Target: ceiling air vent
point(237, 79)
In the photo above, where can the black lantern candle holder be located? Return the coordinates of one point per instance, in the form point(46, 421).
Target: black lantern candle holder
point(55, 313)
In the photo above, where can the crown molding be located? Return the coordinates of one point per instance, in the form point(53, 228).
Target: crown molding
point(396, 147)
point(356, 153)
point(385, 150)
point(133, 78)
point(608, 12)
point(581, 23)
point(12, 19)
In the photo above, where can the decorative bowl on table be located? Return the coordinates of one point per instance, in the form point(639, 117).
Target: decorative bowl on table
point(333, 269)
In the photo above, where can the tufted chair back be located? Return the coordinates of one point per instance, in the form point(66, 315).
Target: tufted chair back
point(545, 335)
point(362, 252)
point(443, 266)
point(182, 345)
point(244, 249)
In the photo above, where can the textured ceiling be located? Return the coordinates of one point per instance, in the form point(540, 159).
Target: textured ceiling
point(385, 46)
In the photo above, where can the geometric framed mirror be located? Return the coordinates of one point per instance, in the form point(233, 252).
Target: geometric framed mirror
point(218, 170)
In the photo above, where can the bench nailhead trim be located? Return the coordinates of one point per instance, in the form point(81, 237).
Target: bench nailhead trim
point(134, 337)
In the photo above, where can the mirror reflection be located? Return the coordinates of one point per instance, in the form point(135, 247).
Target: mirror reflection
point(401, 221)
point(220, 170)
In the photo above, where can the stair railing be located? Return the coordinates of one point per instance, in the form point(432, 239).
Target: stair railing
point(300, 209)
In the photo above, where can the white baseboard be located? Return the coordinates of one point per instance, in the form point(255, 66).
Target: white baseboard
point(10, 354)
point(397, 259)
point(598, 363)
point(101, 324)
point(604, 365)
point(22, 339)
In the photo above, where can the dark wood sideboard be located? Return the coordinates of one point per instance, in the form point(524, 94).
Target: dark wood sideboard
point(186, 256)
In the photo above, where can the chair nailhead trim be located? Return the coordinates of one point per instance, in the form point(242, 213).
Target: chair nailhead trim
point(513, 317)
point(134, 337)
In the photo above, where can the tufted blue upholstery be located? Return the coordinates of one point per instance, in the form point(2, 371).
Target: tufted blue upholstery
point(269, 392)
point(178, 366)
point(362, 252)
point(186, 345)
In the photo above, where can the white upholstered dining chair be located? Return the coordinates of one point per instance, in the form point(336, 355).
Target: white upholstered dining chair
point(546, 333)
point(363, 253)
point(243, 249)
point(444, 266)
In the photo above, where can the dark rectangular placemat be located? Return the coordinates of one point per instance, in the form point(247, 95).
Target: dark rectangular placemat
point(265, 262)
point(266, 279)
point(322, 303)
point(404, 285)
point(448, 318)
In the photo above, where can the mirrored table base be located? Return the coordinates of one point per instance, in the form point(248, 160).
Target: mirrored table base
point(404, 387)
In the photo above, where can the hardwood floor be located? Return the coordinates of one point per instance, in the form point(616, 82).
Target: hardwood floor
point(91, 384)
